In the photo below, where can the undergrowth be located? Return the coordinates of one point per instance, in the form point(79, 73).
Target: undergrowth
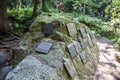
point(21, 18)
point(97, 25)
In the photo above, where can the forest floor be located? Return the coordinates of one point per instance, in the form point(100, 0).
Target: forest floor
point(108, 67)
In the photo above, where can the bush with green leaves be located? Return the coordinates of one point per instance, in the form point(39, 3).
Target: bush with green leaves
point(20, 18)
point(86, 19)
point(20, 14)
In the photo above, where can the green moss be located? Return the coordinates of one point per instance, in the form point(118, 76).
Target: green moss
point(63, 30)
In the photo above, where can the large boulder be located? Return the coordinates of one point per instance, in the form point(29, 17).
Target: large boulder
point(53, 66)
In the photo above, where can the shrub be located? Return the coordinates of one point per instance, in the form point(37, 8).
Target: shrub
point(20, 18)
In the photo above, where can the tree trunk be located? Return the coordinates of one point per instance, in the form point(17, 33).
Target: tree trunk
point(44, 5)
point(36, 2)
point(4, 25)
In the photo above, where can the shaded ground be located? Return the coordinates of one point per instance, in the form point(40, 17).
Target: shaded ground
point(108, 68)
point(7, 44)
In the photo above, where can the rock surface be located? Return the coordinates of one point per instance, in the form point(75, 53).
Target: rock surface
point(32, 69)
point(50, 66)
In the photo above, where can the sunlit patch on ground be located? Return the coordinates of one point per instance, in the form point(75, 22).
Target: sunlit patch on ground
point(108, 67)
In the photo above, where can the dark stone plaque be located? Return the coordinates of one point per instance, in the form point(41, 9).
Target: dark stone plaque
point(48, 29)
point(44, 47)
point(70, 67)
point(83, 32)
point(84, 44)
point(78, 47)
point(83, 57)
point(71, 29)
point(72, 50)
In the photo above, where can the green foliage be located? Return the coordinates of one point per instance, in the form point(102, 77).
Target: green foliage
point(113, 9)
point(90, 21)
point(21, 18)
point(20, 14)
point(97, 25)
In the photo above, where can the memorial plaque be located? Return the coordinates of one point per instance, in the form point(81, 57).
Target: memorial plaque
point(90, 41)
point(72, 50)
point(91, 35)
point(48, 29)
point(71, 29)
point(44, 47)
point(84, 44)
point(70, 68)
point(83, 32)
point(78, 47)
point(83, 57)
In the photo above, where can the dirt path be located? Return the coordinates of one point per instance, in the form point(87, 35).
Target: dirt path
point(108, 68)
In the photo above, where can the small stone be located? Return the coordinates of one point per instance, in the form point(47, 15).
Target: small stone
point(4, 58)
point(5, 71)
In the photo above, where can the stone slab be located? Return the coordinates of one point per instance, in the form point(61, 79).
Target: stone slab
point(83, 57)
point(78, 47)
point(48, 29)
point(70, 68)
point(91, 35)
point(44, 47)
point(89, 41)
point(84, 44)
point(71, 29)
point(72, 50)
point(83, 32)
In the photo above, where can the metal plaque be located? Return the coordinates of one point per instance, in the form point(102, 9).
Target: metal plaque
point(48, 29)
point(70, 68)
point(71, 29)
point(83, 56)
point(84, 44)
point(78, 47)
point(83, 32)
point(72, 50)
point(44, 47)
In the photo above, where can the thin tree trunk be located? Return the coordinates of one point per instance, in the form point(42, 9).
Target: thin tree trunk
point(36, 2)
point(44, 6)
point(4, 25)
